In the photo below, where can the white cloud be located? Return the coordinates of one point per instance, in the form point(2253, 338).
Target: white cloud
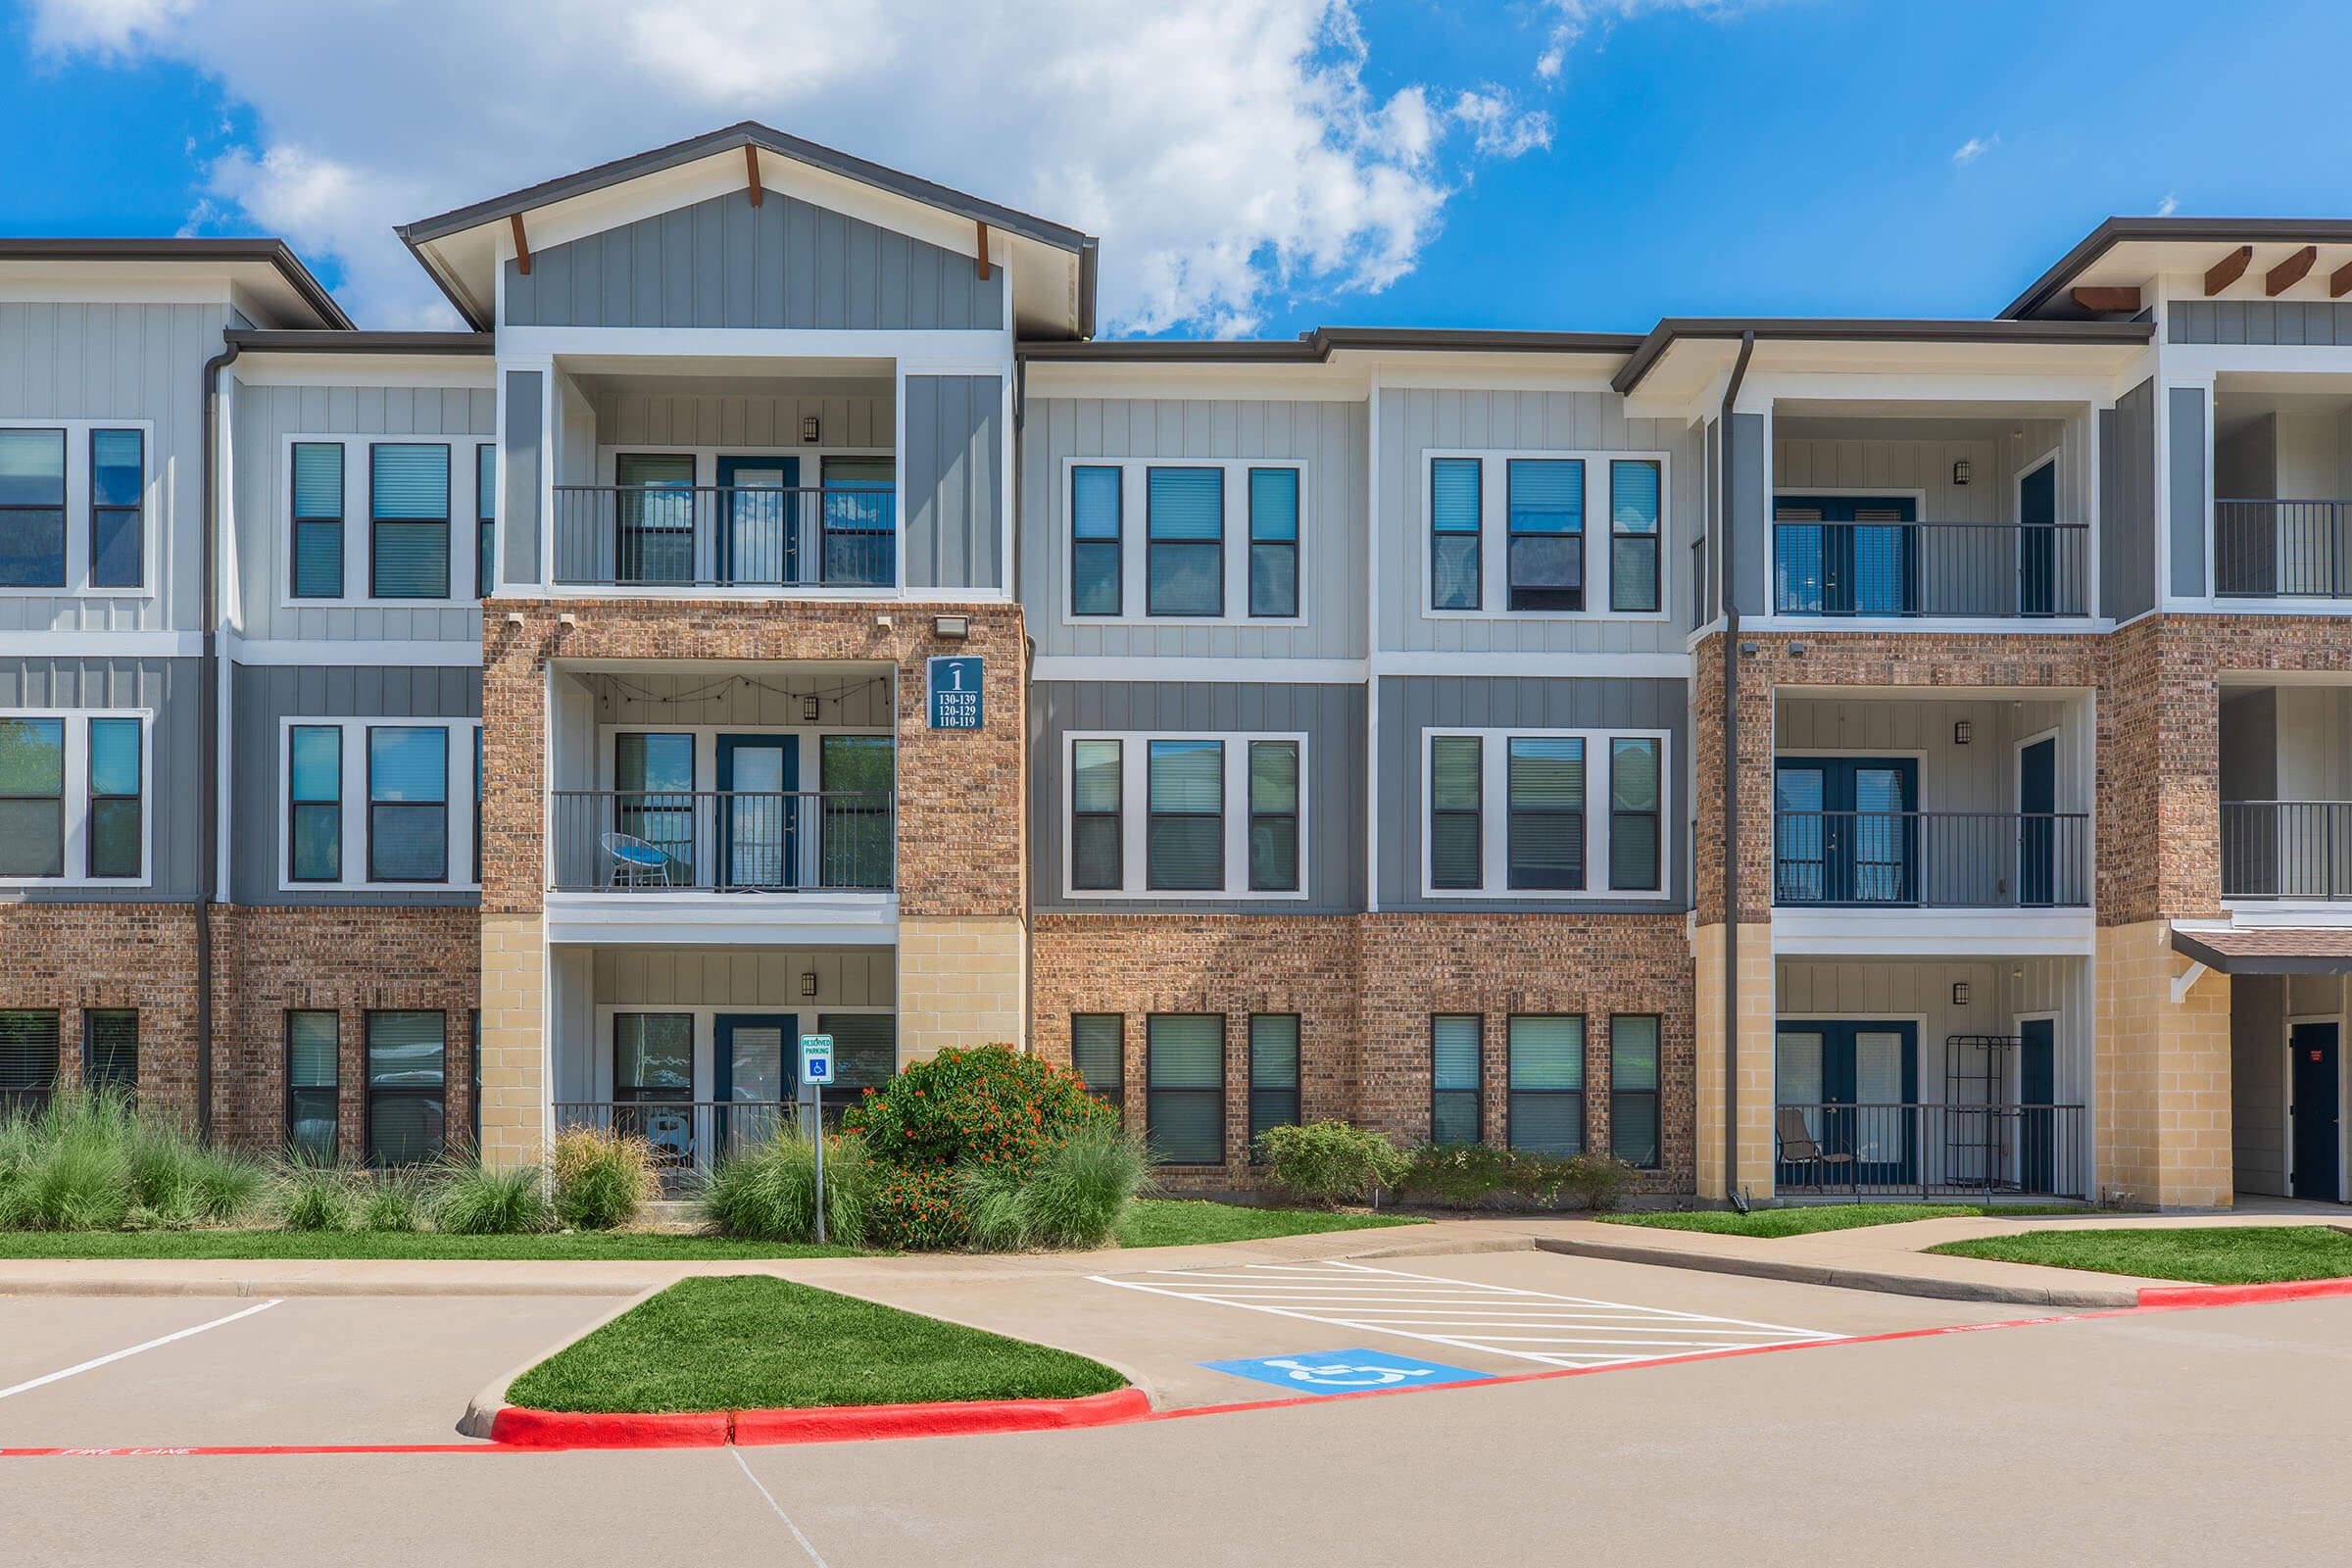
point(1227, 150)
point(2169, 205)
point(1573, 20)
point(1976, 147)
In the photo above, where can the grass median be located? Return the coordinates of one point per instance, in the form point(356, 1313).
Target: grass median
point(742, 1343)
point(2206, 1255)
point(1775, 1223)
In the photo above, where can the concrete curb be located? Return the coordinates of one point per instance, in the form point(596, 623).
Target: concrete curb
point(517, 1426)
point(2242, 1294)
point(264, 1285)
point(482, 1411)
point(1851, 1279)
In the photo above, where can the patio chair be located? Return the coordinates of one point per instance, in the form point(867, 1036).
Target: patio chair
point(1799, 1148)
point(636, 862)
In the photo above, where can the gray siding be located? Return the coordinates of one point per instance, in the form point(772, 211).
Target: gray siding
point(2128, 504)
point(1327, 437)
point(953, 477)
point(1414, 420)
point(522, 474)
point(848, 414)
point(725, 263)
point(1411, 705)
point(265, 417)
point(1331, 717)
point(1751, 513)
point(170, 687)
point(2187, 407)
point(2326, 322)
point(265, 694)
point(119, 362)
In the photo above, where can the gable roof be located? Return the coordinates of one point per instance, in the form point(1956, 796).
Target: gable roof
point(272, 269)
point(2044, 291)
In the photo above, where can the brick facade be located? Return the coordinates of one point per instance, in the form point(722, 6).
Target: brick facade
point(72, 957)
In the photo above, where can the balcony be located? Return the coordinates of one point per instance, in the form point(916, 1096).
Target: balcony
point(2267, 549)
point(842, 536)
point(1931, 859)
point(1980, 1151)
point(637, 842)
point(2290, 850)
point(1930, 571)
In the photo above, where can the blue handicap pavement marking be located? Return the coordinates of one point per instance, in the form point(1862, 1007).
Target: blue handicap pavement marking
point(1345, 1371)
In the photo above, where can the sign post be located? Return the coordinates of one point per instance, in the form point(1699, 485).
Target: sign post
point(816, 1071)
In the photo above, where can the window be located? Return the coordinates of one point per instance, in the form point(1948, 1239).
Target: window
point(1455, 486)
point(1185, 524)
point(654, 775)
point(1097, 781)
point(1185, 843)
point(315, 804)
point(853, 838)
point(1273, 1073)
point(72, 778)
point(1457, 1046)
point(406, 1054)
point(1274, 542)
point(317, 555)
point(1097, 560)
point(314, 1057)
point(110, 1049)
point(1456, 789)
point(1546, 548)
point(1634, 497)
point(1183, 1069)
point(407, 490)
point(861, 542)
point(865, 1049)
point(407, 804)
point(652, 1060)
point(1546, 784)
point(1099, 1053)
point(117, 517)
point(117, 836)
point(32, 509)
point(32, 797)
point(28, 1058)
point(485, 519)
point(1633, 815)
point(1273, 816)
point(477, 803)
point(1634, 1090)
point(1547, 1113)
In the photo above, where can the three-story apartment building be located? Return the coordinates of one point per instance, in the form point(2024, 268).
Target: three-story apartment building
point(1804, 755)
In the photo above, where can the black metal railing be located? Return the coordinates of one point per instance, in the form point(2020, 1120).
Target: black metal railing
point(2286, 849)
point(1932, 860)
point(726, 536)
point(2282, 549)
point(1954, 1150)
point(1996, 571)
point(727, 841)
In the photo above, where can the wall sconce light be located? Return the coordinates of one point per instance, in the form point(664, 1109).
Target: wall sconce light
point(1963, 732)
point(808, 427)
point(809, 710)
point(1796, 650)
point(951, 628)
point(568, 618)
point(1959, 993)
point(809, 982)
point(1961, 472)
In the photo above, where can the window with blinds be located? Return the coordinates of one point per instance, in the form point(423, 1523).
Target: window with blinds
point(1634, 827)
point(317, 555)
point(1099, 1053)
point(1546, 533)
point(1545, 788)
point(32, 797)
point(1634, 489)
point(1185, 833)
point(1634, 1089)
point(110, 1049)
point(32, 509)
point(116, 833)
point(1457, 798)
point(117, 508)
point(1183, 1065)
point(1552, 833)
point(1274, 542)
point(27, 1056)
point(1273, 816)
point(1184, 560)
point(407, 1059)
point(315, 803)
point(408, 488)
point(1455, 1042)
point(1098, 782)
point(865, 1051)
point(313, 1068)
point(1096, 519)
point(485, 519)
point(1546, 1100)
point(1456, 506)
point(1273, 1073)
point(407, 804)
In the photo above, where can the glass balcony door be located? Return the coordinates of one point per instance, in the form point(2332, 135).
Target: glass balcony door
point(757, 777)
point(759, 542)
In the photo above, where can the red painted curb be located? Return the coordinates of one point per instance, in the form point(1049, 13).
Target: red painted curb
point(521, 1427)
point(858, 1423)
point(2242, 1294)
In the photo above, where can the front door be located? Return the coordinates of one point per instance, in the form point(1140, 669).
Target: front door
point(1855, 1085)
point(2036, 1094)
point(2037, 541)
point(2317, 1170)
point(1845, 555)
point(1845, 830)
point(759, 835)
point(2037, 823)
point(759, 542)
point(751, 1065)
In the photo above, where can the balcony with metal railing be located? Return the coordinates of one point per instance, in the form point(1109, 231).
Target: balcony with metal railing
point(2276, 548)
point(748, 537)
point(634, 842)
point(2287, 850)
point(1931, 859)
point(1931, 571)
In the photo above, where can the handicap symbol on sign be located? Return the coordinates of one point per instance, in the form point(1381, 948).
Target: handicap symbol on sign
point(1345, 1371)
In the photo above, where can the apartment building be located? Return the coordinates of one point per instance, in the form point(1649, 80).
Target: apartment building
point(1798, 755)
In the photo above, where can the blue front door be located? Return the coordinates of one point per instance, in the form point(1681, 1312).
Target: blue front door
point(759, 540)
point(758, 830)
point(2037, 1093)
point(2037, 823)
point(1855, 1084)
point(1845, 555)
point(2037, 541)
point(2317, 1106)
point(751, 1068)
point(1845, 830)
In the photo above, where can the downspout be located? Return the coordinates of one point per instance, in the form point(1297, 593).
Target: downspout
point(209, 726)
point(1728, 589)
point(1021, 418)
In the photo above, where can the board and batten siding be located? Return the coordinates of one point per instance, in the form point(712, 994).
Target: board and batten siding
point(953, 473)
point(170, 687)
point(130, 363)
point(848, 414)
point(265, 415)
point(2128, 504)
point(2291, 323)
point(723, 263)
point(1332, 718)
point(2186, 489)
point(264, 695)
point(1999, 991)
point(1412, 704)
point(1415, 420)
point(1328, 438)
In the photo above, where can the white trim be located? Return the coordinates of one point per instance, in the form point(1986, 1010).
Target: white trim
point(153, 500)
point(74, 797)
point(449, 654)
point(1173, 670)
point(923, 351)
point(353, 802)
point(100, 644)
point(1924, 625)
point(1135, 521)
point(728, 920)
point(1495, 800)
point(1493, 535)
point(358, 565)
point(1135, 816)
point(1934, 933)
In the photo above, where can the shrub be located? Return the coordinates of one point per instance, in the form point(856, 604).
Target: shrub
point(180, 1182)
point(767, 1192)
point(475, 1200)
point(1328, 1162)
point(313, 1197)
point(1073, 1199)
point(601, 1178)
point(918, 1210)
point(1472, 1175)
point(988, 1105)
point(77, 1183)
point(1597, 1182)
point(394, 1199)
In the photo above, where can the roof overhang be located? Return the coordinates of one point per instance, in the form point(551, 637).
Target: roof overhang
point(427, 343)
point(2268, 949)
point(1054, 266)
point(1318, 346)
point(1684, 357)
point(263, 273)
point(2126, 252)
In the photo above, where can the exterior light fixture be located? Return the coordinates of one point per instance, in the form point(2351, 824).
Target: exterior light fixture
point(1963, 732)
point(1959, 993)
point(809, 710)
point(1961, 472)
point(808, 427)
point(808, 982)
point(951, 628)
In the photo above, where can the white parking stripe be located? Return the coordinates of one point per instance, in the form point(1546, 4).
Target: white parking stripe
point(99, 1361)
point(1542, 1326)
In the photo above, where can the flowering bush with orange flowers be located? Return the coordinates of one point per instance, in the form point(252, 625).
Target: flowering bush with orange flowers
point(919, 1209)
point(983, 1108)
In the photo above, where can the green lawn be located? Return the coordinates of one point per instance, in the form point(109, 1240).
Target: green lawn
point(1178, 1222)
point(758, 1344)
point(2216, 1254)
point(1772, 1223)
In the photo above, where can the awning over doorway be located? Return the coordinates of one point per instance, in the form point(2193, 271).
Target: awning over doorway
point(2269, 949)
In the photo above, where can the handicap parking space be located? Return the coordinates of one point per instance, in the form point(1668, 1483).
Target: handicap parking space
point(196, 1371)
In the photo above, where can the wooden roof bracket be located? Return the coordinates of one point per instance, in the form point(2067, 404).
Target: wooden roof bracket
point(2287, 274)
point(2339, 281)
point(751, 164)
point(2102, 301)
point(522, 246)
point(980, 261)
point(2229, 269)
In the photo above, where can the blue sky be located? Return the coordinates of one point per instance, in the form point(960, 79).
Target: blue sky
point(1253, 166)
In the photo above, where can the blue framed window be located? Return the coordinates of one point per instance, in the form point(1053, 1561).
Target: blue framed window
point(1845, 555)
point(1847, 830)
point(318, 546)
point(1098, 507)
point(1635, 491)
point(408, 491)
point(1546, 533)
point(1096, 824)
point(1455, 486)
point(1845, 1085)
point(1184, 558)
point(407, 804)
point(32, 509)
point(117, 508)
point(315, 804)
point(1547, 786)
point(1185, 828)
point(117, 831)
point(485, 519)
point(1546, 1101)
point(1456, 1052)
point(1274, 542)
